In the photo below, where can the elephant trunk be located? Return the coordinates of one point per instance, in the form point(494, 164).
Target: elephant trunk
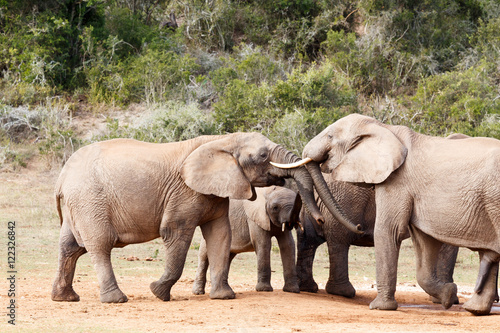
point(328, 199)
point(302, 178)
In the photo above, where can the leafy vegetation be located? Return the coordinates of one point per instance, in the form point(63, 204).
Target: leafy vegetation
point(285, 68)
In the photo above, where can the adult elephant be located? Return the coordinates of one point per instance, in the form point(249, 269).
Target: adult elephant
point(274, 213)
point(444, 191)
point(118, 192)
point(359, 204)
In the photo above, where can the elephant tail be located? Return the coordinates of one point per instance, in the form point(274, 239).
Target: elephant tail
point(59, 195)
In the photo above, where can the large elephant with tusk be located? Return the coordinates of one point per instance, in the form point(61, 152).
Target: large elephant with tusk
point(119, 192)
point(444, 191)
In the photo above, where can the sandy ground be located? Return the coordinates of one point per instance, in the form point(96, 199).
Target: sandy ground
point(250, 312)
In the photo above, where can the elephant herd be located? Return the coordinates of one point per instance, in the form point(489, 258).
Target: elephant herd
point(360, 182)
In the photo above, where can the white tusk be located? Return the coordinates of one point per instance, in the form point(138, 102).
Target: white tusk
point(283, 227)
point(300, 226)
point(292, 165)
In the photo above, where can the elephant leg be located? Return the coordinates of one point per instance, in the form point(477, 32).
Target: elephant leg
point(446, 262)
point(486, 287)
point(217, 235)
point(177, 240)
point(306, 250)
point(287, 252)
point(263, 252)
point(109, 290)
point(201, 272)
point(427, 254)
point(338, 281)
point(391, 227)
point(446, 266)
point(69, 252)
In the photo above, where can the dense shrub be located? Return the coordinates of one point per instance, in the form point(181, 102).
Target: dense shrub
point(285, 68)
point(318, 90)
point(465, 102)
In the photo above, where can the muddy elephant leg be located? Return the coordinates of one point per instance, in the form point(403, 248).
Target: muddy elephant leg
point(306, 250)
point(263, 252)
point(338, 281)
point(69, 252)
point(287, 252)
point(177, 240)
point(201, 272)
point(427, 254)
point(486, 287)
point(217, 235)
point(446, 266)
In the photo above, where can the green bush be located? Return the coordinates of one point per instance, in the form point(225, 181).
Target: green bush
point(318, 92)
point(157, 76)
point(210, 24)
point(463, 102)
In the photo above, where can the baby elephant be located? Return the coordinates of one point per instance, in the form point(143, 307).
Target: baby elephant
point(253, 223)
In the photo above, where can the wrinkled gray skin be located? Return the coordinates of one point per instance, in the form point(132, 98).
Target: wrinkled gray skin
point(118, 192)
point(446, 190)
point(359, 204)
point(253, 224)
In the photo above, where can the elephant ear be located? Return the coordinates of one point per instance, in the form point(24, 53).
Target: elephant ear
point(373, 154)
point(212, 169)
point(256, 210)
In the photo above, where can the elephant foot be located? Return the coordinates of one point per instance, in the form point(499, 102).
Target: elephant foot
point(436, 300)
point(263, 286)
point(478, 306)
point(114, 296)
point(291, 287)
point(222, 293)
point(344, 289)
point(449, 295)
point(64, 295)
point(380, 303)
point(161, 290)
point(308, 286)
point(198, 288)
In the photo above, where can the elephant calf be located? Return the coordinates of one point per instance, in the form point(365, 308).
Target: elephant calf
point(253, 223)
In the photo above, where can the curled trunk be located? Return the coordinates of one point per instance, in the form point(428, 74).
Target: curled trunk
point(302, 178)
point(328, 199)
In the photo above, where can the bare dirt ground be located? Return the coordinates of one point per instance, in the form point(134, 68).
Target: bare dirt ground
point(26, 197)
point(250, 312)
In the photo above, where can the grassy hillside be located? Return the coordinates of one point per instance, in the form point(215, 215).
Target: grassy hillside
point(285, 68)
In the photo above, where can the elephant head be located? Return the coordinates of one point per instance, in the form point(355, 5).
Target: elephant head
point(327, 151)
point(235, 164)
point(357, 149)
point(278, 206)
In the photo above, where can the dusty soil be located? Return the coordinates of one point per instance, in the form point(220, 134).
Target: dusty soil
point(250, 312)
